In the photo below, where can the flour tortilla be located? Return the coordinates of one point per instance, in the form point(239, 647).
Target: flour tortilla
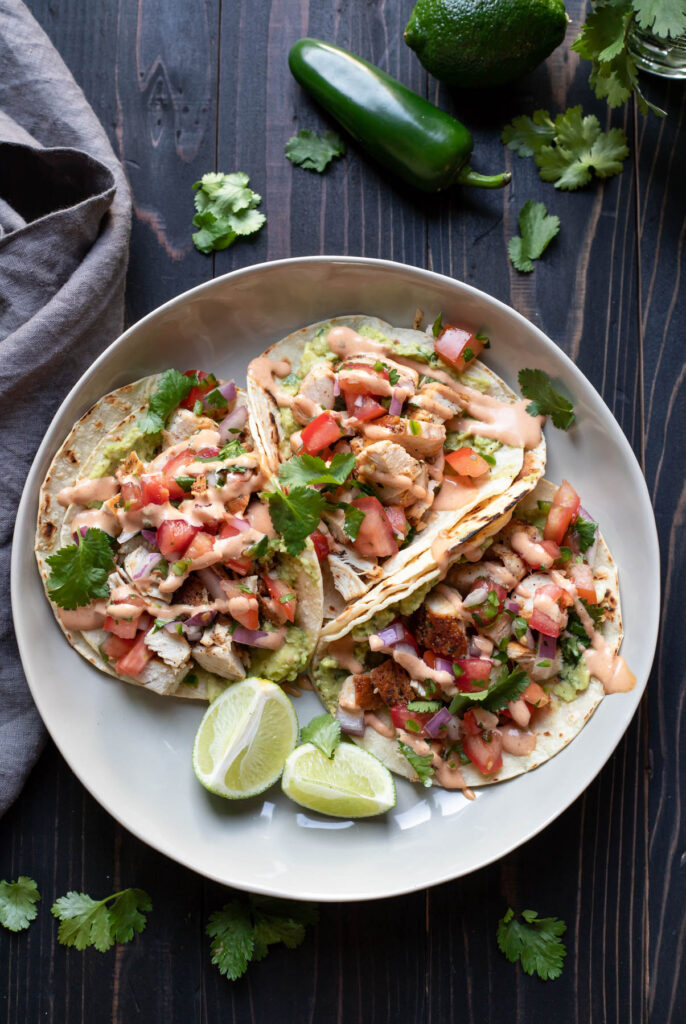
point(556, 725)
point(494, 497)
point(84, 453)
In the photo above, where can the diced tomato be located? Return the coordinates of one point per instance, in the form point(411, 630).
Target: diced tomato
point(487, 612)
point(376, 537)
point(548, 624)
point(475, 674)
point(206, 382)
point(121, 627)
point(321, 432)
point(558, 594)
point(153, 489)
point(131, 495)
point(467, 462)
point(174, 468)
point(563, 512)
point(200, 545)
point(283, 594)
point(358, 387)
point(395, 515)
point(544, 624)
point(134, 661)
point(115, 647)
point(241, 563)
point(536, 695)
point(485, 754)
point(401, 716)
point(362, 407)
point(452, 343)
point(582, 578)
point(321, 545)
point(174, 536)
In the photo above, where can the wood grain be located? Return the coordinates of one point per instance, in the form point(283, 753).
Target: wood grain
point(184, 88)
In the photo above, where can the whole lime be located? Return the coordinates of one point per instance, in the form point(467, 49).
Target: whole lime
point(480, 43)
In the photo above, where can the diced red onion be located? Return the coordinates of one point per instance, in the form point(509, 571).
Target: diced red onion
point(173, 626)
point(392, 634)
point(396, 406)
point(78, 534)
point(151, 561)
point(476, 597)
point(403, 648)
point(435, 725)
point(528, 640)
point(336, 393)
point(239, 524)
point(547, 646)
point(228, 391)
point(255, 638)
point(202, 619)
point(144, 621)
point(235, 421)
point(127, 535)
point(212, 584)
point(474, 649)
point(443, 664)
point(454, 730)
point(150, 536)
point(512, 606)
point(351, 724)
point(590, 552)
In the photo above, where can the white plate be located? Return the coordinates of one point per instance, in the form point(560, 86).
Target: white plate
point(132, 749)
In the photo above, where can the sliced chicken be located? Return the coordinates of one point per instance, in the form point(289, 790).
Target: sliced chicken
point(172, 648)
point(318, 386)
point(160, 677)
point(358, 694)
point(183, 424)
point(358, 378)
point(437, 399)
point(351, 573)
point(397, 477)
point(437, 625)
point(389, 680)
point(420, 438)
point(216, 652)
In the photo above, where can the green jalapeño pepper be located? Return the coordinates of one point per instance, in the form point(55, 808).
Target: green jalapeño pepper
point(410, 136)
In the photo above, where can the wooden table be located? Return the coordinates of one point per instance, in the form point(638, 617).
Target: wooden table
point(186, 87)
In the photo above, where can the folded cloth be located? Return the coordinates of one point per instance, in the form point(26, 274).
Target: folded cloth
point(64, 231)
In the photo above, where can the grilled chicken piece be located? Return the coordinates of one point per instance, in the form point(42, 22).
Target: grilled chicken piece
point(192, 592)
point(437, 627)
point(161, 678)
point(318, 385)
point(437, 399)
point(511, 561)
point(530, 662)
point(183, 424)
point(351, 573)
point(397, 477)
point(424, 441)
point(375, 383)
point(215, 651)
point(357, 694)
point(174, 650)
point(390, 681)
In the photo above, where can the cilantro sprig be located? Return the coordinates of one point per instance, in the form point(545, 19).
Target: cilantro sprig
point(18, 903)
point(420, 762)
point(569, 149)
point(537, 230)
point(171, 390)
point(295, 514)
point(324, 731)
point(244, 929)
point(88, 922)
point(545, 400)
point(585, 530)
point(535, 942)
point(296, 508)
point(226, 209)
point(309, 470)
point(314, 152)
point(78, 572)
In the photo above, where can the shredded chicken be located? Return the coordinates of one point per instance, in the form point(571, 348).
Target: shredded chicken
point(399, 479)
point(422, 440)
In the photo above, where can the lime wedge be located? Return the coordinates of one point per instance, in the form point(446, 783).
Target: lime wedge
point(352, 784)
point(244, 739)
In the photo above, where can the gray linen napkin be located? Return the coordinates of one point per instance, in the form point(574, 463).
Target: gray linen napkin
point(64, 231)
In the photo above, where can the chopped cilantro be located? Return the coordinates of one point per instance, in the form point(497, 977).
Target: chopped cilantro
point(535, 941)
point(225, 209)
point(420, 762)
point(181, 567)
point(185, 482)
point(295, 515)
point(519, 626)
point(565, 555)
point(190, 680)
point(468, 354)
point(258, 550)
point(310, 470)
point(415, 427)
point(584, 530)
point(198, 407)
point(171, 390)
point(545, 400)
point(412, 726)
point(537, 230)
point(78, 572)
point(314, 152)
point(424, 706)
point(437, 325)
point(215, 399)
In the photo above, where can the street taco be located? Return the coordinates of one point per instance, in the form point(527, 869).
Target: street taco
point(489, 665)
point(159, 559)
point(432, 434)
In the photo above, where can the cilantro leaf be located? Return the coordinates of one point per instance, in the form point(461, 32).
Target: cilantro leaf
point(580, 148)
point(314, 152)
point(243, 930)
point(295, 515)
point(508, 686)
point(663, 17)
point(18, 903)
point(424, 705)
point(354, 517)
point(88, 922)
point(545, 400)
point(324, 731)
point(420, 762)
point(78, 572)
point(310, 469)
point(538, 228)
point(233, 939)
point(462, 701)
point(535, 941)
point(527, 135)
point(437, 325)
point(226, 208)
point(171, 390)
point(585, 531)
